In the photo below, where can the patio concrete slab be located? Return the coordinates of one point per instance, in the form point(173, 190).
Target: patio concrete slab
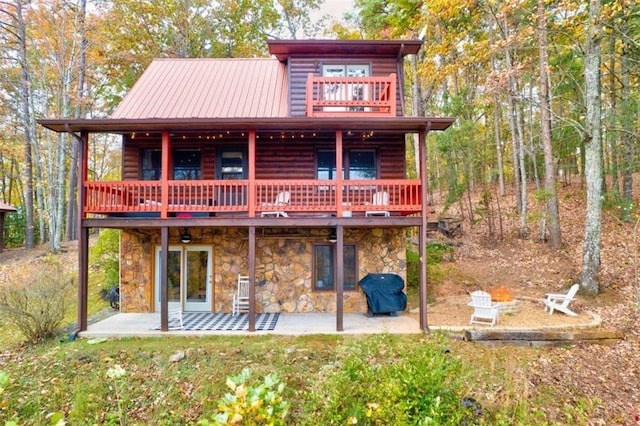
point(142, 325)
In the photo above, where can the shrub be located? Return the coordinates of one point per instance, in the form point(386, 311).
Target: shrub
point(35, 300)
point(437, 252)
point(247, 404)
point(419, 384)
point(104, 258)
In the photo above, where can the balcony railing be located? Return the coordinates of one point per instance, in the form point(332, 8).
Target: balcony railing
point(210, 197)
point(353, 96)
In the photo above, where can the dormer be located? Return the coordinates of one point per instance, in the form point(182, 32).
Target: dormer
point(345, 78)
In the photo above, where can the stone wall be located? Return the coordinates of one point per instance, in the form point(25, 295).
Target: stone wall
point(283, 267)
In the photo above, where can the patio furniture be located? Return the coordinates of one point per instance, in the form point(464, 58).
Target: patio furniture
point(175, 316)
point(241, 298)
point(560, 302)
point(485, 312)
point(380, 198)
point(281, 200)
point(385, 294)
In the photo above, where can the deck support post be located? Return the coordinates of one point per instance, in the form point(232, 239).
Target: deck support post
point(83, 234)
point(339, 252)
point(164, 279)
point(422, 241)
point(83, 277)
point(252, 278)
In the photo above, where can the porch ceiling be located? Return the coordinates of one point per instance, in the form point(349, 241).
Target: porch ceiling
point(399, 124)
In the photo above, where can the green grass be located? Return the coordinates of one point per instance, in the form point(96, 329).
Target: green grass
point(330, 379)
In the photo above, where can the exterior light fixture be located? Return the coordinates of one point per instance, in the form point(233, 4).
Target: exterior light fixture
point(333, 237)
point(185, 237)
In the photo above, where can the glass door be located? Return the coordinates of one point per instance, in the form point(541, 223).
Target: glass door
point(189, 277)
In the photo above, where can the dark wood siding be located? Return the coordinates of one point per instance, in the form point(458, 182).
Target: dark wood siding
point(133, 148)
point(299, 67)
point(293, 159)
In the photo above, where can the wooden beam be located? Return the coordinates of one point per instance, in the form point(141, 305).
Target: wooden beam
point(166, 168)
point(252, 174)
point(267, 222)
point(339, 173)
point(164, 279)
point(83, 277)
point(252, 278)
point(422, 240)
point(544, 337)
point(83, 234)
point(339, 275)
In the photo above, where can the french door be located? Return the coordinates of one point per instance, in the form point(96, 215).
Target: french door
point(189, 275)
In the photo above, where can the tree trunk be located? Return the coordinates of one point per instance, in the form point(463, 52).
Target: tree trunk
point(551, 195)
point(70, 226)
point(496, 123)
point(26, 123)
point(627, 120)
point(418, 110)
point(593, 152)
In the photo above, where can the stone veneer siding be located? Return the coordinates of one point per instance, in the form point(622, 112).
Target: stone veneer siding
point(283, 267)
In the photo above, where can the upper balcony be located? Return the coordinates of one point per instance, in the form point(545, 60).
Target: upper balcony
point(351, 96)
point(260, 198)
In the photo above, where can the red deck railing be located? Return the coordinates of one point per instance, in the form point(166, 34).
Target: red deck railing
point(357, 96)
point(220, 196)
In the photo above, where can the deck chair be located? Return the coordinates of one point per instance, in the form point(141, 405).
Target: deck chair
point(241, 298)
point(281, 200)
point(560, 302)
point(380, 198)
point(175, 316)
point(484, 311)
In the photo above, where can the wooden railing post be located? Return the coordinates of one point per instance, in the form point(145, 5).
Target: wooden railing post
point(252, 174)
point(166, 159)
point(310, 97)
point(392, 95)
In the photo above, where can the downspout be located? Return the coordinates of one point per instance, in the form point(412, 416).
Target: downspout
point(400, 74)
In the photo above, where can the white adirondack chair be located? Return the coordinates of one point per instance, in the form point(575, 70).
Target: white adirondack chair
point(281, 200)
point(241, 298)
point(484, 311)
point(380, 198)
point(560, 302)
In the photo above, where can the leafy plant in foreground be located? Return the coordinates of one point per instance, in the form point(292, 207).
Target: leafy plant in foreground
point(421, 384)
point(251, 404)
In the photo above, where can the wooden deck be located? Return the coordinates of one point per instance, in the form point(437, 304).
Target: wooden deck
point(254, 198)
point(359, 96)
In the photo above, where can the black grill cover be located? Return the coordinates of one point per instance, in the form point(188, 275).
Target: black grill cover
point(384, 293)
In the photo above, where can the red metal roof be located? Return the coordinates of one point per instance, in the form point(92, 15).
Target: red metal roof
point(208, 88)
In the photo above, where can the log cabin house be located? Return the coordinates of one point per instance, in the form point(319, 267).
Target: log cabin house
point(289, 169)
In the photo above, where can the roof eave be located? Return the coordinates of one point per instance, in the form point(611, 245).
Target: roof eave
point(406, 124)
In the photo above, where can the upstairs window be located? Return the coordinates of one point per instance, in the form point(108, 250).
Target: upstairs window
point(346, 92)
point(187, 164)
point(359, 164)
point(362, 164)
point(151, 160)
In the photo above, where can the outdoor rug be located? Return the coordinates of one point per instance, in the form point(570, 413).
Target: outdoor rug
point(224, 322)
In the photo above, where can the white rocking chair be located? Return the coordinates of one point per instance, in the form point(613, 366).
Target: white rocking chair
point(380, 198)
point(241, 298)
point(484, 311)
point(175, 316)
point(560, 302)
point(281, 200)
